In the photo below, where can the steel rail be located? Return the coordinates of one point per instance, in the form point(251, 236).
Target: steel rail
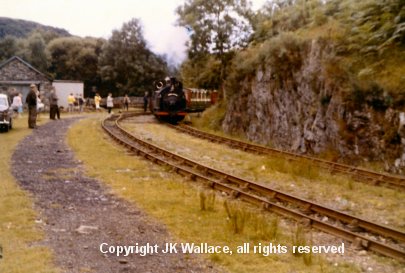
point(269, 197)
point(358, 174)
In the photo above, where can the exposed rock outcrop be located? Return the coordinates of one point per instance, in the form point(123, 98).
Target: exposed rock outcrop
point(310, 109)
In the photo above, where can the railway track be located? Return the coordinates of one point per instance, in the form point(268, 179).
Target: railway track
point(358, 174)
point(362, 233)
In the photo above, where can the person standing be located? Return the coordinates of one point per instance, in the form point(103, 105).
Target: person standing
point(31, 100)
point(126, 102)
point(97, 100)
point(71, 101)
point(53, 105)
point(76, 103)
point(40, 105)
point(145, 101)
point(110, 103)
point(81, 103)
point(17, 104)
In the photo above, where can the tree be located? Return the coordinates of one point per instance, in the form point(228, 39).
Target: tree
point(74, 58)
point(204, 73)
point(216, 27)
point(37, 51)
point(127, 63)
point(33, 50)
point(8, 47)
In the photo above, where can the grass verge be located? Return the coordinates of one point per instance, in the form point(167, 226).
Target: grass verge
point(18, 232)
point(298, 178)
point(190, 212)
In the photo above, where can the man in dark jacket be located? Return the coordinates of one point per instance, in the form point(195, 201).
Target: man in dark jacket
point(145, 101)
point(53, 105)
point(31, 100)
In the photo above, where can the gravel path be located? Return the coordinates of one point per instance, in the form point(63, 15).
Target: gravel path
point(78, 214)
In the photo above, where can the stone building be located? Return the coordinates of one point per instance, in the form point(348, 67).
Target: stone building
point(16, 75)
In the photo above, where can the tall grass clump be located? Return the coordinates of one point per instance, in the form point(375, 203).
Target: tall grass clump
point(207, 201)
point(299, 238)
point(237, 216)
point(264, 226)
point(295, 168)
point(260, 225)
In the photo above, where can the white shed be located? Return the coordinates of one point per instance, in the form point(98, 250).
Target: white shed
point(65, 88)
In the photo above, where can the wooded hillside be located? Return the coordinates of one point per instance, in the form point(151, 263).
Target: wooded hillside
point(21, 28)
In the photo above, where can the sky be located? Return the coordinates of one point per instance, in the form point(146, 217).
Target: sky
point(98, 18)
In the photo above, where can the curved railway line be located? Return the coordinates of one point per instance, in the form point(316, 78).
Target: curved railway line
point(362, 233)
point(358, 174)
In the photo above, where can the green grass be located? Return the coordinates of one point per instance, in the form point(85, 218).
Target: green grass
point(299, 178)
point(211, 118)
point(191, 212)
point(18, 232)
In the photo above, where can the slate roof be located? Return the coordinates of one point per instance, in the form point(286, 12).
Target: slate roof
point(26, 64)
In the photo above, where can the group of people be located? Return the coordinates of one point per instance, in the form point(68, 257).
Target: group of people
point(35, 105)
point(17, 104)
point(75, 103)
point(110, 102)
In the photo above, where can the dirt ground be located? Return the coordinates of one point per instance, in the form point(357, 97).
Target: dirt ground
point(78, 214)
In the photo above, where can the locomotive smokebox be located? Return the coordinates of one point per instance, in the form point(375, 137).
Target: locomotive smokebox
point(169, 102)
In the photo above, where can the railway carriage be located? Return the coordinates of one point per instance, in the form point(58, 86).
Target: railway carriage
point(199, 99)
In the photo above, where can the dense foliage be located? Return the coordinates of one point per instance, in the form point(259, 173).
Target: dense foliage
point(127, 62)
point(216, 29)
point(229, 42)
point(121, 64)
point(366, 41)
point(75, 58)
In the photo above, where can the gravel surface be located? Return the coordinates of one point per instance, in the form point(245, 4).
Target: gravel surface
point(78, 214)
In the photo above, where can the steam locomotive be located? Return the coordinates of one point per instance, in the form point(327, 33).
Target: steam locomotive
point(168, 102)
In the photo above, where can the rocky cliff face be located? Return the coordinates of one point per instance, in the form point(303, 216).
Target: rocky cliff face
point(307, 110)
